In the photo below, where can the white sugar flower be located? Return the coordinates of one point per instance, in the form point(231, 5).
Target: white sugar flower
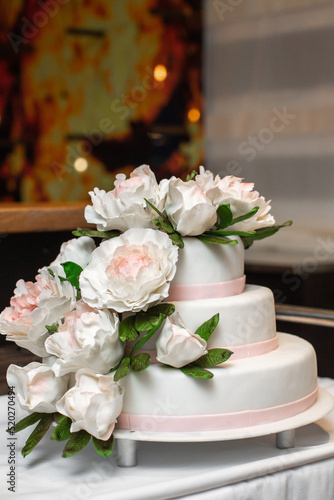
point(93, 404)
point(77, 250)
point(36, 386)
point(87, 338)
point(176, 345)
point(125, 207)
point(242, 199)
point(189, 209)
point(35, 305)
point(130, 272)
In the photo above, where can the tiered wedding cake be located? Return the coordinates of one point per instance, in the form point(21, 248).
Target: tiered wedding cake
point(268, 377)
point(154, 329)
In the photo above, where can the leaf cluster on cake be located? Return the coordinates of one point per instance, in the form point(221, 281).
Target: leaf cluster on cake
point(152, 306)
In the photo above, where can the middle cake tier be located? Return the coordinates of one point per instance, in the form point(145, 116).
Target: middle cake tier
point(247, 319)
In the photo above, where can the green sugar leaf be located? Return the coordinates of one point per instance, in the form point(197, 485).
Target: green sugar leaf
point(127, 331)
point(76, 443)
point(176, 239)
point(165, 309)
point(157, 211)
point(164, 226)
point(144, 321)
point(123, 370)
point(95, 234)
point(148, 335)
point(72, 272)
point(225, 216)
point(26, 422)
point(262, 233)
point(59, 417)
point(246, 216)
point(62, 431)
point(214, 240)
point(37, 434)
point(104, 448)
point(206, 329)
point(52, 328)
point(140, 362)
point(191, 176)
point(229, 233)
point(196, 372)
point(213, 357)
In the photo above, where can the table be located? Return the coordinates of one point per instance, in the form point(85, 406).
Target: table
point(247, 469)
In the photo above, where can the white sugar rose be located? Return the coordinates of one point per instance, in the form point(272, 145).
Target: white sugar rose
point(87, 338)
point(176, 345)
point(77, 250)
point(131, 272)
point(189, 209)
point(242, 199)
point(35, 305)
point(36, 386)
point(125, 207)
point(93, 404)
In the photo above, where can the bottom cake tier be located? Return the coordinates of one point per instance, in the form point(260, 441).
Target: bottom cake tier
point(245, 392)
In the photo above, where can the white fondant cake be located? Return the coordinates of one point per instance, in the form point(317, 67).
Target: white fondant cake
point(269, 377)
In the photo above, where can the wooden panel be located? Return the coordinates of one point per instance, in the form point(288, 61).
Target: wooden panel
point(34, 217)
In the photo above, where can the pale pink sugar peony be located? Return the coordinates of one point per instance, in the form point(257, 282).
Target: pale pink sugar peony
point(176, 345)
point(131, 272)
point(87, 338)
point(125, 207)
point(34, 306)
point(93, 404)
point(190, 210)
point(242, 199)
point(36, 386)
point(205, 179)
point(25, 300)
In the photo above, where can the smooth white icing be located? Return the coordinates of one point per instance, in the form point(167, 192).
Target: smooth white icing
point(200, 262)
point(282, 376)
point(243, 319)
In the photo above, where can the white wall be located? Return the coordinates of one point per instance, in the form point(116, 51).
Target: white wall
point(269, 97)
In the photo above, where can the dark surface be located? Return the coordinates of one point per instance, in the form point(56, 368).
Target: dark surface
point(313, 290)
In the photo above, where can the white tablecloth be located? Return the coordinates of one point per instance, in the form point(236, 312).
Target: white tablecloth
point(250, 469)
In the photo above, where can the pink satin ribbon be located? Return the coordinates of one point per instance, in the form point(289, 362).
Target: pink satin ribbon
point(256, 349)
point(207, 290)
point(239, 351)
point(196, 423)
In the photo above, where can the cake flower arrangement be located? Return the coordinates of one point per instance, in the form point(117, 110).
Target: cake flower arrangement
point(90, 312)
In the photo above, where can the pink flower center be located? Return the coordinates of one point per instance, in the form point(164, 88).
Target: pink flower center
point(126, 185)
point(128, 266)
point(24, 302)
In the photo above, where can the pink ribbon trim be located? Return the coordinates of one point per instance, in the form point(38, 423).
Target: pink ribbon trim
point(239, 351)
point(207, 290)
point(256, 349)
point(196, 423)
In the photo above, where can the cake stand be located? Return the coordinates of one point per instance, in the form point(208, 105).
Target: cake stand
point(127, 441)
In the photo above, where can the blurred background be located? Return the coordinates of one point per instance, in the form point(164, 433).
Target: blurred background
point(91, 88)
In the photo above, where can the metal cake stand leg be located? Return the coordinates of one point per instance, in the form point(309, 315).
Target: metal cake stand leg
point(127, 453)
point(286, 439)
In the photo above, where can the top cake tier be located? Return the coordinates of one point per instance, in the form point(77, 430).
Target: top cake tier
point(201, 263)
